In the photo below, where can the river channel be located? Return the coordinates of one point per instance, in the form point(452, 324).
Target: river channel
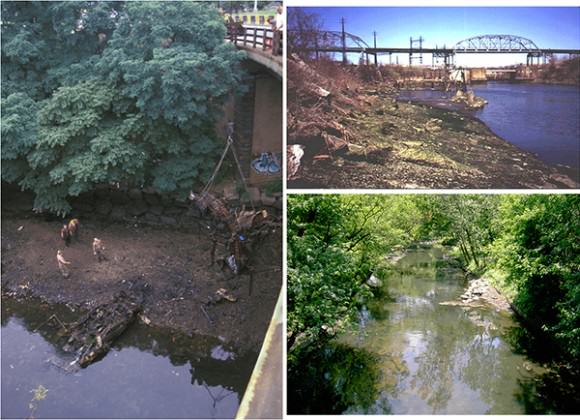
point(538, 118)
point(411, 355)
point(149, 373)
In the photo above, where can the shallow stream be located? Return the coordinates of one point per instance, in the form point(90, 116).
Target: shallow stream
point(411, 355)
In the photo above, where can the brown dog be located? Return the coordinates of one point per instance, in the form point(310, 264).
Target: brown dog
point(73, 228)
point(65, 235)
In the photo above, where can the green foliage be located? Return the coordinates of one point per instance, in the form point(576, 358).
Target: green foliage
point(331, 379)
point(325, 278)
point(335, 242)
point(529, 246)
point(109, 92)
point(540, 251)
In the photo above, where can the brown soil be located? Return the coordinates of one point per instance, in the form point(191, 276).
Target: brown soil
point(174, 263)
point(397, 145)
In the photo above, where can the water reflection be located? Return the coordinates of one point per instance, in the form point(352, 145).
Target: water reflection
point(330, 379)
point(149, 373)
point(435, 358)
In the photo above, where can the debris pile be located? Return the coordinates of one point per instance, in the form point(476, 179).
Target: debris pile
point(318, 111)
point(92, 336)
point(468, 98)
point(479, 292)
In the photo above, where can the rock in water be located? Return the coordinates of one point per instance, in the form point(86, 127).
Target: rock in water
point(373, 281)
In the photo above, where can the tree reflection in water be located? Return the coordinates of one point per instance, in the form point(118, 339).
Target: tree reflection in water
point(436, 358)
point(329, 379)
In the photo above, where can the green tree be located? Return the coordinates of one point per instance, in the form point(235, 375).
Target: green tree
point(112, 92)
point(539, 249)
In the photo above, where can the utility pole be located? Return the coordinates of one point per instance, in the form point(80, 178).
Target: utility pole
point(343, 42)
point(375, 38)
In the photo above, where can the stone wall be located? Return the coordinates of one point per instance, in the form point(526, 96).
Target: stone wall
point(147, 207)
point(137, 206)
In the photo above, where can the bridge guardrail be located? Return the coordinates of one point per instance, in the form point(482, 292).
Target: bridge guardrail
point(255, 37)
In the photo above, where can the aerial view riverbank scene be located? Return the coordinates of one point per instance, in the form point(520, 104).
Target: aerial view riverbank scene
point(141, 210)
point(442, 97)
point(433, 304)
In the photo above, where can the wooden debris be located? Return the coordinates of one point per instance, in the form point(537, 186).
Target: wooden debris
point(92, 336)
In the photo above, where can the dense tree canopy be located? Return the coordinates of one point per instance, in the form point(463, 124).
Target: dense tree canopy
point(112, 92)
point(529, 245)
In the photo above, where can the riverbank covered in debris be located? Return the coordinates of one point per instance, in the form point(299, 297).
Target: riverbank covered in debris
point(174, 274)
point(354, 133)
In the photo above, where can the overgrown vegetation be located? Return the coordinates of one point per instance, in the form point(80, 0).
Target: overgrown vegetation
point(529, 244)
point(112, 92)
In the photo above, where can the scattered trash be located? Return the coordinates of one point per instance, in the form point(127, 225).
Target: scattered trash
point(294, 154)
point(144, 319)
point(20, 228)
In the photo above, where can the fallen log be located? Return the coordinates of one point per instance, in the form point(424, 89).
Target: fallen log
point(92, 336)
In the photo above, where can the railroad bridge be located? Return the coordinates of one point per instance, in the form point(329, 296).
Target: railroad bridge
point(343, 42)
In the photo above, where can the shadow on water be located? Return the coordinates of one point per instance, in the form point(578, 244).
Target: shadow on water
point(329, 379)
point(557, 389)
point(149, 372)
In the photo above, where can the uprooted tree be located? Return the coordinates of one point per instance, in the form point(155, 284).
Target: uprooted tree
point(112, 93)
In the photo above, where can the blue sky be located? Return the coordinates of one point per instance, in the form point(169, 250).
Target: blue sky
point(556, 27)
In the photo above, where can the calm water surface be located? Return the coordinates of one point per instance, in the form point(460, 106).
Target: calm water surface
point(542, 119)
point(438, 359)
point(150, 373)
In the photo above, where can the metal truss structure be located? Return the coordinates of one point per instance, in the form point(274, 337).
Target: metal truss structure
point(329, 39)
point(497, 43)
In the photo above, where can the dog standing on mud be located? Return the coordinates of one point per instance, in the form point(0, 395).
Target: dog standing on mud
point(65, 235)
point(98, 250)
point(62, 264)
point(73, 228)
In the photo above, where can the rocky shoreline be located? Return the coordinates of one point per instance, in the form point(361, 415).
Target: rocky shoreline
point(411, 145)
point(478, 293)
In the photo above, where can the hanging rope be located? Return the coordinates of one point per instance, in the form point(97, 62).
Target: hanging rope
point(217, 168)
point(229, 143)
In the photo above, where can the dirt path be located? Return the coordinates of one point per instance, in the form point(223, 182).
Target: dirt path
point(175, 265)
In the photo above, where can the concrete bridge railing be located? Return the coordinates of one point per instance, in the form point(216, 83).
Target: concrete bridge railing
point(260, 44)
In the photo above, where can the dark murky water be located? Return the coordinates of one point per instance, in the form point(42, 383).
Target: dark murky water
point(438, 359)
point(541, 119)
point(150, 373)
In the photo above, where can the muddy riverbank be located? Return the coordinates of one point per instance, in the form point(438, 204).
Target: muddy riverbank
point(362, 137)
point(173, 264)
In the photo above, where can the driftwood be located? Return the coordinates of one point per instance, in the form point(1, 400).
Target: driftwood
point(93, 335)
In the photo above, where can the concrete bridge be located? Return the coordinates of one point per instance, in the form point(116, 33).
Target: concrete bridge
point(256, 114)
point(258, 42)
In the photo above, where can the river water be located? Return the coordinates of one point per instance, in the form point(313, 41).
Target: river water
point(541, 119)
point(149, 373)
point(438, 359)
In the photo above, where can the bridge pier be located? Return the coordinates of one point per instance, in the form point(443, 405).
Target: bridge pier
point(257, 117)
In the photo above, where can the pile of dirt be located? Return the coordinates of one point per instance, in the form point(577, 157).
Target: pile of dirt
point(343, 133)
point(173, 266)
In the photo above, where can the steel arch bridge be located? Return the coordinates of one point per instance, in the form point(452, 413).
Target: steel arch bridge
point(332, 41)
point(497, 43)
point(334, 38)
